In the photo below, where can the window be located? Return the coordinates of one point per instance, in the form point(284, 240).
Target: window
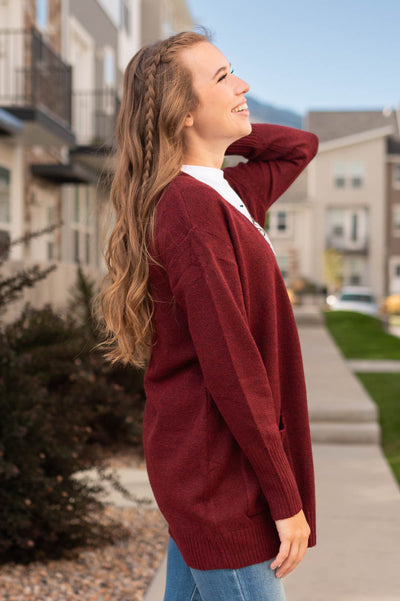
point(356, 182)
point(109, 81)
point(125, 16)
point(41, 13)
point(396, 175)
point(339, 174)
point(282, 221)
point(396, 220)
point(354, 223)
point(394, 275)
point(354, 273)
point(50, 237)
point(109, 67)
point(356, 173)
point(338, 231)
point(347, 229)
point(4, 195)
point(76, 246)
point(82, 228)
point(4, 244)
point(336, 220)
point(350, 173)
point(279, 223)
point(283, 263)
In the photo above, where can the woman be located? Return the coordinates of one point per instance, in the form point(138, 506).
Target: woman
point(195, 294)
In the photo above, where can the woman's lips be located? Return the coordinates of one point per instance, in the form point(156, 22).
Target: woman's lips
point(241, 108)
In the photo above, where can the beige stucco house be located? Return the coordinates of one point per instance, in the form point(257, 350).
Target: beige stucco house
point(61, 70)
point(350, 188)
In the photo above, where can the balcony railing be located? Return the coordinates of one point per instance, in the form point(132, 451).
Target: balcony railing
point(347, 246)
point(33, 75)
point(94, 114)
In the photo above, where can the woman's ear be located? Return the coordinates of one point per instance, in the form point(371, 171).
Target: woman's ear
point(188, 120)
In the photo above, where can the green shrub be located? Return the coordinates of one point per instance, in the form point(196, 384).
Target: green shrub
point(44, 510)
point(60, 355)
point(60, 402)
point(57, 398)
point(61, 405)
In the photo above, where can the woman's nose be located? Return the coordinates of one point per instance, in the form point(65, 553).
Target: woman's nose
point(241, 86)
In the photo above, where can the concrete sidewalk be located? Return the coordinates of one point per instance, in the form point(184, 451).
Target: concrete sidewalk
point(357, 557)
point(375, 365)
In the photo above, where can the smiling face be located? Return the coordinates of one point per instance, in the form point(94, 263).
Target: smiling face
point(221, 116)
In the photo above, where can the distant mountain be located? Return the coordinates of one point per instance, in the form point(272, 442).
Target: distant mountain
point(266, 113)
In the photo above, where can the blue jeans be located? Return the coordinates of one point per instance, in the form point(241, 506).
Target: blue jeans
point(252, 583)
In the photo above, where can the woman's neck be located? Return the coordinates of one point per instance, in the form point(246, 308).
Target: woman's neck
point(201, 154)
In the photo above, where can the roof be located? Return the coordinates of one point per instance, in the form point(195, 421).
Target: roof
point(330, 125)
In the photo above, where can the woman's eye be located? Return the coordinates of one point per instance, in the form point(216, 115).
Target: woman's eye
point(225, 75)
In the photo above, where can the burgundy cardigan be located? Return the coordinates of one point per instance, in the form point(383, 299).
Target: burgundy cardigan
point(226, 430)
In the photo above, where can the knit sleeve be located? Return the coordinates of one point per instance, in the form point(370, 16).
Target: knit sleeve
point(276, 156)
point(205, 281)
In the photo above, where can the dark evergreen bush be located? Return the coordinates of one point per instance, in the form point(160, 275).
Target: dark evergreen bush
point(60, 402)
point(43, 509)
point(62, 359)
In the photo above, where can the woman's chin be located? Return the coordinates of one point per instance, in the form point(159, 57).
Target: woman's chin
point(246, 129)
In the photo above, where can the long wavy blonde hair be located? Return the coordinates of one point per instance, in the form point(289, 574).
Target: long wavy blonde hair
point(157, 95)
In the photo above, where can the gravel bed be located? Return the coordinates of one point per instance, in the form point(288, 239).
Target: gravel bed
point(118, 572)
point(125, 458)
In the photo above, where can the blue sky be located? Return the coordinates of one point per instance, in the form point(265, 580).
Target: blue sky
point(310, 54)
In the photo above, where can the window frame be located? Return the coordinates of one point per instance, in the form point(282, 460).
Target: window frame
point(394, 229)
point(82, 227)
point(349, 220)
point(396, 176)
point(6, 224)
point(272, 223)
point(283, 260)
point(348, 174)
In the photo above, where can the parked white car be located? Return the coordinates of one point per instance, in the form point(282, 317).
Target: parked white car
point(354, 298)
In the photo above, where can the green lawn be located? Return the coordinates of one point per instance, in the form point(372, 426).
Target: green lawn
point(361, 337)
point(385, 390)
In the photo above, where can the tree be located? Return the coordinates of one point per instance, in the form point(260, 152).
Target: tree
point(12, 287)
point(333, 269)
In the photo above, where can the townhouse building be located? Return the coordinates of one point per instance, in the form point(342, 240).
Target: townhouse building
point(43, 110)
point(354, 196)
point(392, 272)
point(61, 70)
point(289, 226)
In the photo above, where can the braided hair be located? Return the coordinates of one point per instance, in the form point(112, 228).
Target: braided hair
point(157, 95)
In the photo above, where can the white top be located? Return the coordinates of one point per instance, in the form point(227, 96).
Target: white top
point(215, 178)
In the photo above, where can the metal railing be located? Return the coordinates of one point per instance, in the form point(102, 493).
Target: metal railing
point(94, 114)
point(341, 244)
point(32, 74)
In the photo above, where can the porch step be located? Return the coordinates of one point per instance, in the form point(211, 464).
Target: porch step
point(353, 413)
point(345, 433)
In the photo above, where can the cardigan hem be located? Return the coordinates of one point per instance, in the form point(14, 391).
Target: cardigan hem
point(230, 550)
